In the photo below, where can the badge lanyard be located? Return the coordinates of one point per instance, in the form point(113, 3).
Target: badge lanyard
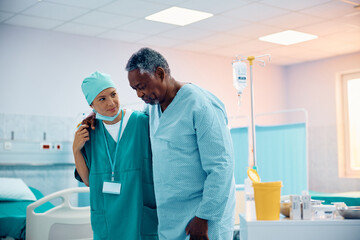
point(113, 161)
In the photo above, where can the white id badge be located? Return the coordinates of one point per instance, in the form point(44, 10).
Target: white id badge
point(111, 187)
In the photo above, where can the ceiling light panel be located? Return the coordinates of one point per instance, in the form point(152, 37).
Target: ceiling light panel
point(178, 16)
point(288, 37)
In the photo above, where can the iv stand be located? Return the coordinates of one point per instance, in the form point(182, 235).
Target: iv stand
point(251, 59)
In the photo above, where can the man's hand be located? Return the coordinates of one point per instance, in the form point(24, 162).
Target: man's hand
point(90, 121)
point(198, 229)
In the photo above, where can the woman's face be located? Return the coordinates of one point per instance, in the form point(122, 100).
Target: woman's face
point(106, 102)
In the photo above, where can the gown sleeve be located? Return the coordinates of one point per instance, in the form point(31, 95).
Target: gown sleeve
point(147, 171)
point(87, 161)
point(216, 156)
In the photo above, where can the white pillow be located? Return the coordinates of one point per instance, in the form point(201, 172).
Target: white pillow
point(14, 189)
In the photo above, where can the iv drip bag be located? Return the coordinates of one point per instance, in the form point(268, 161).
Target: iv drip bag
point(239, 76)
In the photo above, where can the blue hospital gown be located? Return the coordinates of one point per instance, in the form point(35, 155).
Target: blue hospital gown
point(192, 164)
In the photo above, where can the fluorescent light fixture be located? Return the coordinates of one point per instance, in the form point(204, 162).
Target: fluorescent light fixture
point(178, 16)
point(288, 37)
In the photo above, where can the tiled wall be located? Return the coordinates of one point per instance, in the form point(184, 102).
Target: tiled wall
point(33, 127)
point(46, 170)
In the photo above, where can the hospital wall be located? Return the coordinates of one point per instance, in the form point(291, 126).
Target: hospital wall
point(40, 77)
point(312, 86)
point(45, 70)
point(41, 73)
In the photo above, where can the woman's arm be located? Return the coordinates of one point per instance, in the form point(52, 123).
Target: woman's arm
point(81, 136)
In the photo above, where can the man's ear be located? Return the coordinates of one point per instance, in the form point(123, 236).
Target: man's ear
point(160, 73)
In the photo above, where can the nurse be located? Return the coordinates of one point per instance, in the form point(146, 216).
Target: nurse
point(192, 152)
point(115, 161)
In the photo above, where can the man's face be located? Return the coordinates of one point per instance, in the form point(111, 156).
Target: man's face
point(147, 86)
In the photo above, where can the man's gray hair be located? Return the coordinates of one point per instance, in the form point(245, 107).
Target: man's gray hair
point(147, 60)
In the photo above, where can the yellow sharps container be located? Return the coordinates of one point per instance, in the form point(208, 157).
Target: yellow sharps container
point(267, 197)
point(267, 200)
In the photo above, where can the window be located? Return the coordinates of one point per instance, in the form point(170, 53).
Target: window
point(349, 124)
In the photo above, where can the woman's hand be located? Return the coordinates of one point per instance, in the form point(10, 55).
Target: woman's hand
point(81, 137)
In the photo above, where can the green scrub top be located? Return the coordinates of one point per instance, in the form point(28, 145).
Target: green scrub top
point(132, 214)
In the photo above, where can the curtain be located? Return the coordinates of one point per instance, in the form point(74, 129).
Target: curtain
point(281, 155)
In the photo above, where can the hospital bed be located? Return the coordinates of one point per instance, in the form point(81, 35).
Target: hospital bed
point(349, 198)
point(60, 222)
point(13, 215)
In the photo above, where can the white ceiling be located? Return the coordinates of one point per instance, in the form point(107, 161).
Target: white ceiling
point(233, 30)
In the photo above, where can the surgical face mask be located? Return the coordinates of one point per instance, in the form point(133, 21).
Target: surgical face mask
point(106, 118)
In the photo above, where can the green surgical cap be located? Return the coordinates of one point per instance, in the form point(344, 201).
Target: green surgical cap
point(94, 84)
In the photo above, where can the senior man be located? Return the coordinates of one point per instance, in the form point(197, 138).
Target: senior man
point(192, 151)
